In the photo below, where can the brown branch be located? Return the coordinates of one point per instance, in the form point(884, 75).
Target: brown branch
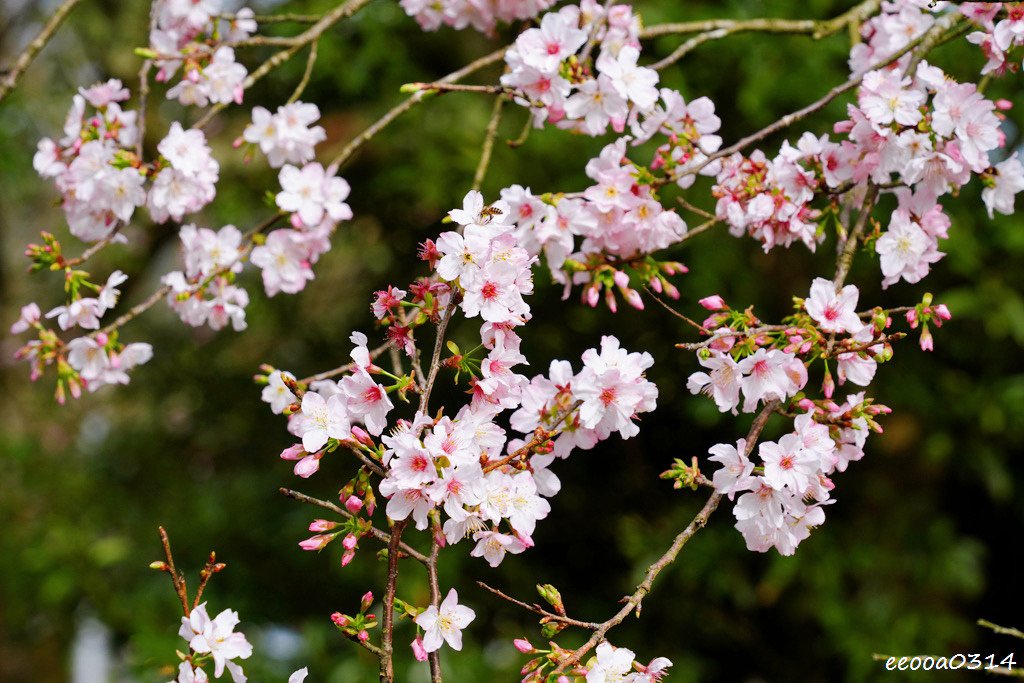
point(540, 435)
point(634, 601)
point(387, 667)
point(10, 77)
point(380, 535)
point(816, 28)
point(435, 597)
point(848, 248)
point(789, 119)
point(295, 44)
point(176, 577)
point(537, 609)
point(404, 106)
point(327, 374)
point(752, 332)
point(435, 361)
point(673, 311)
point(207, 572)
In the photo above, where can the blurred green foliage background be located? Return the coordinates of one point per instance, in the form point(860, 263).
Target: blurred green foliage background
point(925, 537)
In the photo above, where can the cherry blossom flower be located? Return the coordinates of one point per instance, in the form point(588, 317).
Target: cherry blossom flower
point(444, 623)
point(833, 311)
point(217, 638)
point(611, 664)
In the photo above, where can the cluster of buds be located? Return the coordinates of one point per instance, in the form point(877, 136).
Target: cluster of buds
point(357, 627)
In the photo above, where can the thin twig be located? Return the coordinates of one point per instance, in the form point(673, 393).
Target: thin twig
point(488, 146)
point(439, 87)
point(176, 577)
point(347, 367)
point(752, 332)
point(382, 536)
point(294, 44)
point(673, 311)
point(410, 102)
point(689, 46)
point(849, 247)
point(10, 77)
point(1001, 630)
point(634, 601)
point(791, 118)
point(816, 28)
point(537, 609)
point(435, 360)
point(540, 436)
point(310, 62)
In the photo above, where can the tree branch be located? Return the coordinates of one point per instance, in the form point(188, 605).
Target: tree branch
point(10, 77)
point(635, 600)
point(380, 535)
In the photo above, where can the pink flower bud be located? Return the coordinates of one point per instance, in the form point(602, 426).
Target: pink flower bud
point(418, 651)
point(563, 679)
point(349, 541)
point(942, 313)
point(361, 436)
point(523, 645)
point(1004, 105)
point(828, 386)
point(655, 284)
point(102, 339)
point(912, 318)
point(354, 504)
point(632, 298)
point(347, 557)
point(609, 300)
point(339, 619)
point(927, 344)
point(293, 452)
point(621, 279)
point(363, 636)
point(713, 303)
point(322, 525)
point(317, 542)
point(366, 601)
point(590, 295)
point(308, 466)
point(296, 221)
point(806, 404)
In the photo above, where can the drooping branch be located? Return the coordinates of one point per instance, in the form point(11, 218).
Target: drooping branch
point(294, 45)
point(816, 28)
point(410, 102)
point(11, 75)
point(635, 600)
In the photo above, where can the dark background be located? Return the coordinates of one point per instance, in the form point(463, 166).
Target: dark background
point(925, 537)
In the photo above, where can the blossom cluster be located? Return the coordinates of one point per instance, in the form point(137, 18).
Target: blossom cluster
point(783, 493)
point(204, 292)
point(92, 360)
point(102, 180)
point(482, 15)
point(92, 165)
point(927, 135)
point(191, 36)
point(551, 70)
